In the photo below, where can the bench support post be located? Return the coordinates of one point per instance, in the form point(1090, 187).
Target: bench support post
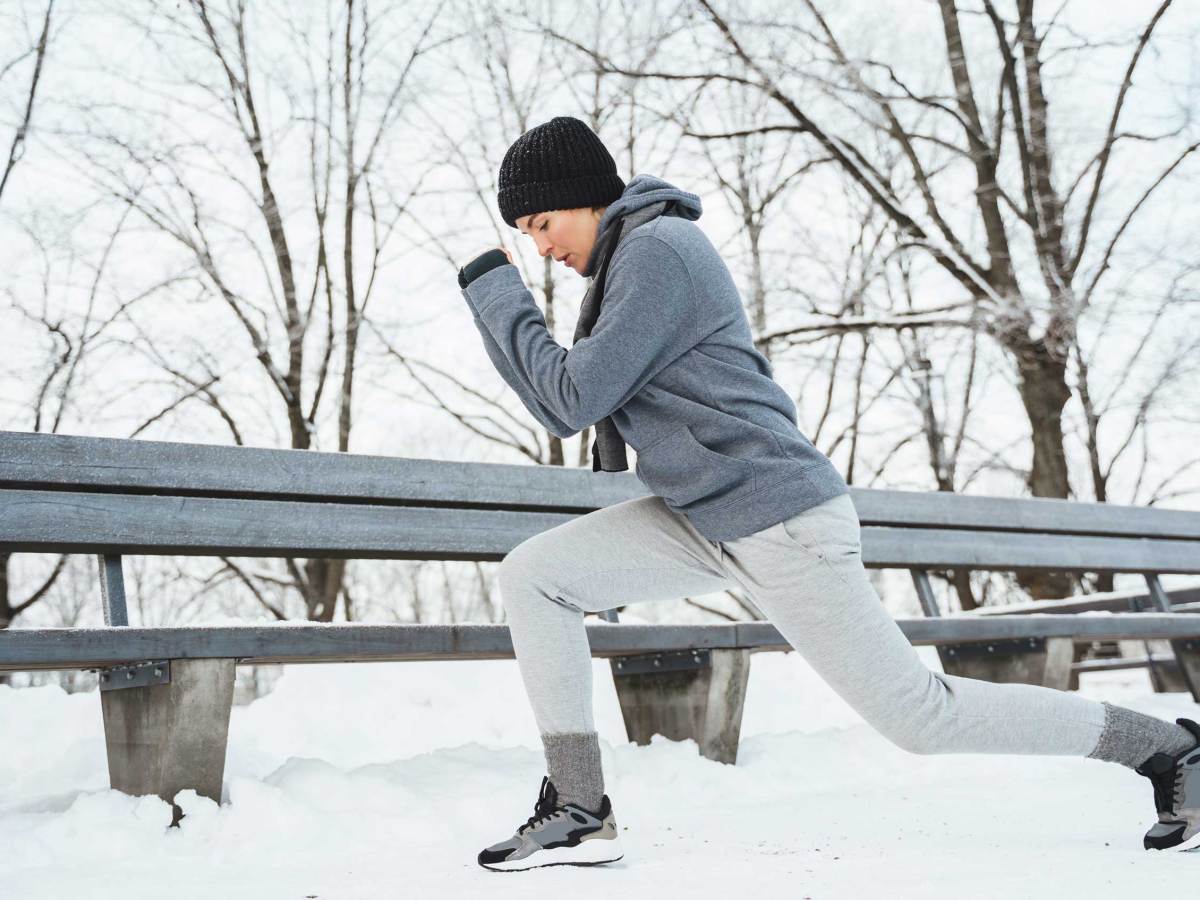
point(1041, 661)
point(1187, 652)
point(112, 589)
point(1165, 676)
point(1060, 656)
point(165, 737)
point(697, 694)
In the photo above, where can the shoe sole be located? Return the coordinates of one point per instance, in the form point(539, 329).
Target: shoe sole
point(579, 855)
point(1192, 843)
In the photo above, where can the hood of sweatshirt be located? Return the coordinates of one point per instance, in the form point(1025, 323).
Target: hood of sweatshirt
point(642, 190)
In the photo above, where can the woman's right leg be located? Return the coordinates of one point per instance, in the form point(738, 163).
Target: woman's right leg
point(629, 552)
point(806, 574)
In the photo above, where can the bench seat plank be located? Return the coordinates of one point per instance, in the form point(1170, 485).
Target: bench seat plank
point(58, 648)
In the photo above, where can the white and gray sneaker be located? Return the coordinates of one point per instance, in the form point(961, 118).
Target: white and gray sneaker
point(556, 835)
point(1176, 781)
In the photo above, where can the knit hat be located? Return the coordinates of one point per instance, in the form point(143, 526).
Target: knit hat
point(560, 164)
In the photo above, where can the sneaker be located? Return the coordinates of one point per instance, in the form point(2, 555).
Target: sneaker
point(1176, 781)
point(557, 836)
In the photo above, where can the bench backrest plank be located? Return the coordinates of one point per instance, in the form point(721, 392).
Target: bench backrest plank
point(68, 462)
point(59, 521)
point(125, 524)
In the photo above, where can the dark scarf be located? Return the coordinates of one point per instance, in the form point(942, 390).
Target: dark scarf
point(608, 450)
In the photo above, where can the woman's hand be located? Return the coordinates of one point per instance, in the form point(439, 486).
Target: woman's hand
point(482, 262)
point(480, 253)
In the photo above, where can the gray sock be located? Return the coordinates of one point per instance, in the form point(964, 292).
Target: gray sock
point(1130, 738)
point(573, 764)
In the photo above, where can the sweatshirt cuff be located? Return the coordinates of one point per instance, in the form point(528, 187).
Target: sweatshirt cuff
point(491, 285)
point(484, 262)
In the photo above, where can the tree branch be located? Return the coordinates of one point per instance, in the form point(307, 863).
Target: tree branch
point(1110, 140)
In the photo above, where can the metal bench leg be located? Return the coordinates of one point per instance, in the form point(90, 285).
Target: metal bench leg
point(1187, 652)
point(1165, 676)
point(163, 737)
point(697, 694)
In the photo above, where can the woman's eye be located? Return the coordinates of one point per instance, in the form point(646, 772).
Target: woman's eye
point(543, 228)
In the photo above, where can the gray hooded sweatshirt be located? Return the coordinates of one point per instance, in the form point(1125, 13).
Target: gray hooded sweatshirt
point(672, 360)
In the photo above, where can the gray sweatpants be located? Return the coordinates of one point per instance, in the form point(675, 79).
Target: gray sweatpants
point(807, 577)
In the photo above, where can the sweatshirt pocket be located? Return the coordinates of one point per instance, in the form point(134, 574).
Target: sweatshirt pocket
point(680, 469)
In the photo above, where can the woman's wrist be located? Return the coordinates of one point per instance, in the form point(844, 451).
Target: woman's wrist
point(484, 262)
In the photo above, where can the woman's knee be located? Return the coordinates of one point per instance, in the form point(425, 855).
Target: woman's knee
point(524, 576)
point(914, 740)
point(919, 725)
point(516, 571)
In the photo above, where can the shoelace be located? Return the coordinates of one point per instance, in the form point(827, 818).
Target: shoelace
point(1165, 784)
point(545, 808)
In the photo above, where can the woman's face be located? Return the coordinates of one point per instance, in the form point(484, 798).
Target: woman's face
point(566, 234)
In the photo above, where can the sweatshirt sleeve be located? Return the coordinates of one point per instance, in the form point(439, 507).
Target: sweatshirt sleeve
point(647, 320)
point(522, 388)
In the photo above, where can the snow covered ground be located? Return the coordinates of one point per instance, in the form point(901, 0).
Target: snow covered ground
point(384, 780)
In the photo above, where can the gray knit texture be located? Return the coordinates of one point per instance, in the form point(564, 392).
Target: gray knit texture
point(573, 763)
point(1130, 738)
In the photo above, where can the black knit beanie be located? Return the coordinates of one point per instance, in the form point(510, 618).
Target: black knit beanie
point(560, 164)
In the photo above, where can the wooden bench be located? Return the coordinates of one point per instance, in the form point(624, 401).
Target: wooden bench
point(166, 692)
point(1165, 669)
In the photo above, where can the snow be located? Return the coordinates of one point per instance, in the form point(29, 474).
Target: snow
point(384, 780)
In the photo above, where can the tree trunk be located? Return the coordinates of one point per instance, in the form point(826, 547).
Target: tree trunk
point(324, 578)
point(1044, 392)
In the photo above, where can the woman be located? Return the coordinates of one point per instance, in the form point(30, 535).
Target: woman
point(663, 359)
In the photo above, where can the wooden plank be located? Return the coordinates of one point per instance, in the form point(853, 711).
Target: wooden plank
point(311, 642)
point(60, 521)
point(961, 629)
point(63, 462)
point(939, 509)
point(1111, 601)
point(1124, 662)
point(308, 642)
point(886, 547)
point(111, 464)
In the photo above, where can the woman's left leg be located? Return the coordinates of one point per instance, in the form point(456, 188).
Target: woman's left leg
point(806, 575)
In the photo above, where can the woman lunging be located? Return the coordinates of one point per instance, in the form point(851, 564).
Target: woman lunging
point(663, 360)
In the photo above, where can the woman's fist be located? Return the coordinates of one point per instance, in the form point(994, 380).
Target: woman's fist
point(481, 263)
point(480, 253)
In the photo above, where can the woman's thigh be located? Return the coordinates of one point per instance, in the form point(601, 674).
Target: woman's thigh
point(806, 574)
point(630, 552)
point(807, 577)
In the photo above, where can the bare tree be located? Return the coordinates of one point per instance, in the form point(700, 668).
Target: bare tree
point(506, 77)
point(1031, 311)
point(1138, 390)
point(72, 340)
point(317, 257)
point(500, 96)
point(38, 50)
point(755, 173)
